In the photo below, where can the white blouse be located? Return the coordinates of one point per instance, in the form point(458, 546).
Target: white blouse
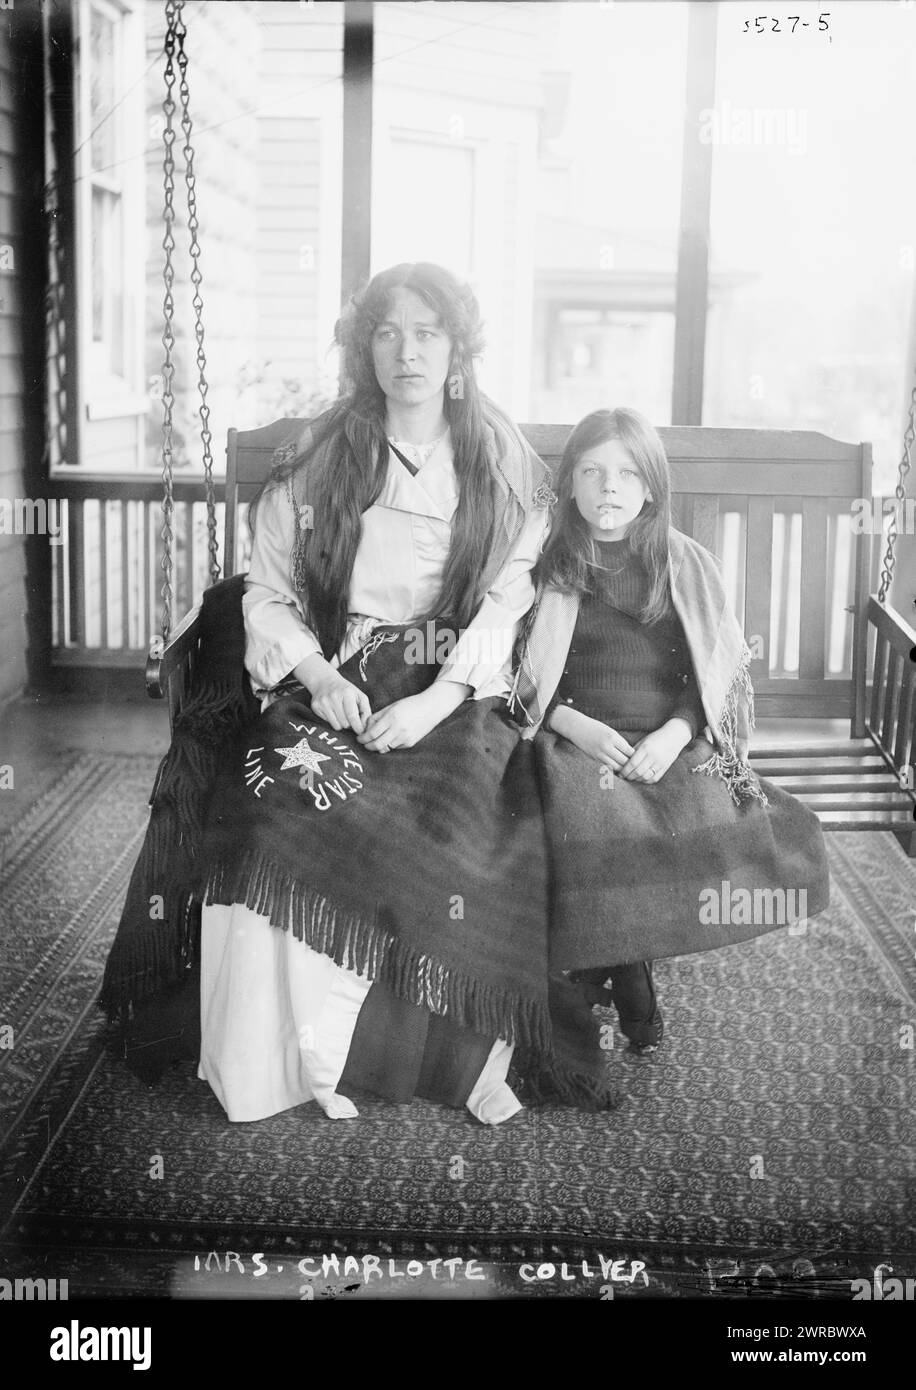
point(396, 576)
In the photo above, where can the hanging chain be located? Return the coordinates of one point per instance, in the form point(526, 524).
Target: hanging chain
point(909, 436)
point(55, 442)
point(196, 280)
point(168, 311)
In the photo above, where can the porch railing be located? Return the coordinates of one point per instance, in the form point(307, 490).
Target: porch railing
point(106, 574)
point(107, 577)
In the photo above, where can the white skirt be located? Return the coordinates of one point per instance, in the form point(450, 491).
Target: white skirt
point(277, 1020)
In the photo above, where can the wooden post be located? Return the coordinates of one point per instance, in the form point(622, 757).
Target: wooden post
point(692, 293)
point(357, 145)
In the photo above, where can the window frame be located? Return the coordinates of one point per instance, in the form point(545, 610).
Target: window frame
point(103, 394)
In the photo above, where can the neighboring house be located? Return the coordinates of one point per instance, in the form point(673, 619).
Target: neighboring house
point(604, 320)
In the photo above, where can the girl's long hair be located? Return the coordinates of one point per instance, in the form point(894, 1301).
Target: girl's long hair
point(571, 558)
point(347, 477)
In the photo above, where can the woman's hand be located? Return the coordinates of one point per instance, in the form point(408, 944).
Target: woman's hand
point(407, 721)
point(657, 751)
point(332, 697)
point(598, 740)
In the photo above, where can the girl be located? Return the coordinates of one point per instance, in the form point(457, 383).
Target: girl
point(634, 677)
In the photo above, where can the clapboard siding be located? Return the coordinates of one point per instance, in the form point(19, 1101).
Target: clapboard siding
point(11, 383)
point(9, 329)
point(12, 453)
point(12, 559)
point(12, 419)
point(290, 255)
point(12, 463)
point(11, 295)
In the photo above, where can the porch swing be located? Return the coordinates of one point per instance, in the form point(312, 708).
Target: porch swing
point(860, 783)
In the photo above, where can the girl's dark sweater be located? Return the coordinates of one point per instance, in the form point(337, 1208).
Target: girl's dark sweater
point(631, 675)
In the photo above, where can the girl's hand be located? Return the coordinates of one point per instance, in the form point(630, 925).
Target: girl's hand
point(598, 740)
point(657, 751)
point(335, 700)
point(407, 721)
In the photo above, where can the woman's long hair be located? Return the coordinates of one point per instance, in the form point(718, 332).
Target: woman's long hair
point(570, 556)
point(347, 477)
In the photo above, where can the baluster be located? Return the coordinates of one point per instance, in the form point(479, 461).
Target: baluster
point(127, 578)
point(150, 620)
point(59, 561)
point(103, 574)
point(813, 599)
point(878, 673)
point(759, 577)
point(903, 745)
point(891, 690)
point(187, 567)
point(78, 575)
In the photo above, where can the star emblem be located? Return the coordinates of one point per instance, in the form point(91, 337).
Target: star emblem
point(302, 755)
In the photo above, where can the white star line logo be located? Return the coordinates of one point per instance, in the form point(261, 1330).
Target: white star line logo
point(302, 755)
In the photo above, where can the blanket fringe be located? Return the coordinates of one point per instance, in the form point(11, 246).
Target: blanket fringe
point(357, 944)
point(161, 906)
point(739, 777)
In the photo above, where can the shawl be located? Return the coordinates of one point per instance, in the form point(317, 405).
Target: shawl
point(719, 653)
point(521, 477)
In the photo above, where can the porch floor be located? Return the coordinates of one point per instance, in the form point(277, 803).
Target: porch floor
point(787, 1048)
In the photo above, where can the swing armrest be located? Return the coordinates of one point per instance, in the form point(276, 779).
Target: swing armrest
point(176, 656)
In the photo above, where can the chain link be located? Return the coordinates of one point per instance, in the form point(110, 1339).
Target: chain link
point(196, 281)
point(55, 441)
point(176, 57)
point(172, 8)
point(890, 559)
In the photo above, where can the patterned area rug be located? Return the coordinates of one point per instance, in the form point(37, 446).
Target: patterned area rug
point(769, 1147)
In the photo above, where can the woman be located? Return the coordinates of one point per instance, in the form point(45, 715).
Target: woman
point(375, 879)
point(635, 682)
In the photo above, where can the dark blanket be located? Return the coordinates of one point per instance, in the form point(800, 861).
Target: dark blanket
point(424, 867)
point(641, 871)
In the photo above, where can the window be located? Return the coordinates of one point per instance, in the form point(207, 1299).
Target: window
point(813, 209)
point(109, 199)
point(607, 355)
